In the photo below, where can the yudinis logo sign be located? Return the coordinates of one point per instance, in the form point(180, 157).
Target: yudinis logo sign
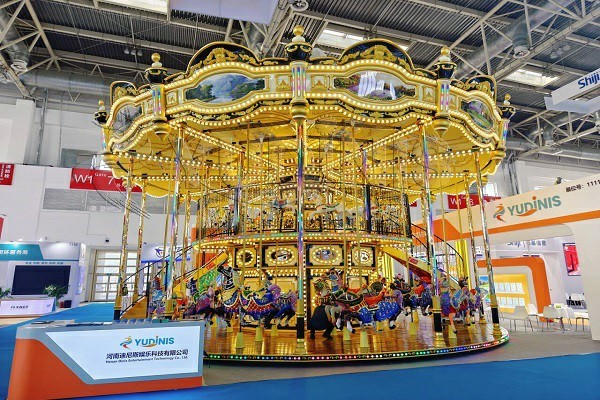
point(526, 208)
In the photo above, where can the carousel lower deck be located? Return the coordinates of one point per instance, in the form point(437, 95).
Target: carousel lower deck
point(385, 344)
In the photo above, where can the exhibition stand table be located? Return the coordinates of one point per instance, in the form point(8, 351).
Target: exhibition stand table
point(62, 359)
point(26, 306)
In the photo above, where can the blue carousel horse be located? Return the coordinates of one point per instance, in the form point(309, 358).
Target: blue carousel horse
point(420, 297)
point(257, 305)
point(285, 309)
point(157, 299)
point(367, 306)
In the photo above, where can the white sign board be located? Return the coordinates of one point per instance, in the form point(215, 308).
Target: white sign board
point(577, 87)
point(126, 353)
point(18, 307)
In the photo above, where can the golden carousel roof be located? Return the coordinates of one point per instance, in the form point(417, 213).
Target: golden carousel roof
point(370, 101)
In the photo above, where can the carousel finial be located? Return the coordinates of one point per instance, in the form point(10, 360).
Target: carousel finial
point(156, 60)
point(101, 106)
point(507, 99)
point(445, 54)
point(298, 32)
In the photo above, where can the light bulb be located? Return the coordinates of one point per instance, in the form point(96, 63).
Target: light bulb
point(566, 47)
point(139, 53)
point(553, 55)
point(560, 52)
point(126, 51)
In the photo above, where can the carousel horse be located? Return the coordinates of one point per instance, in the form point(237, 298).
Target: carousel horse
point(475, 303)
point(284, 310)
point(157, 300)
point(234, 300)
point(420, 297)
point(366, 306)
point(201, 304)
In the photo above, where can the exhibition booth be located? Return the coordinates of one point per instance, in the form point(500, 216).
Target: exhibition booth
point(27, 270)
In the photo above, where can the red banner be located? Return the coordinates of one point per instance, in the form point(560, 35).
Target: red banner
point(1, 223)
point(6, 174)
point(97, 179)
point(462, 200)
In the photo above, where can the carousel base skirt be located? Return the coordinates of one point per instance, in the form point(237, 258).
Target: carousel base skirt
point(382, 345)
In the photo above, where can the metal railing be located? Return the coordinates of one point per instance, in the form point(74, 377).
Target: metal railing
point(146, 277)
point(272, 209)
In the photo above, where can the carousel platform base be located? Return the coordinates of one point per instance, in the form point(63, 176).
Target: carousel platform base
point(386, 344)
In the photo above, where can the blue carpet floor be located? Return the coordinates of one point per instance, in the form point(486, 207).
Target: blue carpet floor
point(575, 377)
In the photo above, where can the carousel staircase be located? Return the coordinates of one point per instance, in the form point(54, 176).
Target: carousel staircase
point(417, 266)
point(138, 309)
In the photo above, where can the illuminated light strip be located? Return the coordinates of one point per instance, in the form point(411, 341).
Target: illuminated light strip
point(364, 356)
point(459, 153)
point(169, 160)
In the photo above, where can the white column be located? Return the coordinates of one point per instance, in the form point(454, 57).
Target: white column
point(586, 238)
point(21, 131)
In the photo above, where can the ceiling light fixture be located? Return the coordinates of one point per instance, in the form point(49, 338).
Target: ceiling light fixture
point(340, 39)
point(530, 77)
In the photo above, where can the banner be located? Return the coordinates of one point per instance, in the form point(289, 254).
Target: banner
point(462, 200)
point(17, 251)
point(97, 179)
point(6, 174)
point(22, 307)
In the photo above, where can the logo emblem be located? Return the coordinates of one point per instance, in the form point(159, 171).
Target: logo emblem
point(126, 342)
point(500, 210)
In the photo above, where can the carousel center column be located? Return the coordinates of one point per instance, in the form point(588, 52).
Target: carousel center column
point(298, 52)
point(444, 69)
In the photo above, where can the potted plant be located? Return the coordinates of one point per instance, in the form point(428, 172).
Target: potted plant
point(4, 292)
point(56, 291)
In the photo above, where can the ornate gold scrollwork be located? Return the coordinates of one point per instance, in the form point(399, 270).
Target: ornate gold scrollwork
point(283, 86)
point(123, 91)
point(219, 55)
point(379, 52)
point(319, 86)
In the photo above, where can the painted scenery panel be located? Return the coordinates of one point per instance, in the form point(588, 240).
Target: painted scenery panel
point(224, 88)
point(479, 113)
point(375, 85)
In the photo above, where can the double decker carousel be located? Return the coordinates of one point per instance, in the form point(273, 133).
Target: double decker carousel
point(302, 171)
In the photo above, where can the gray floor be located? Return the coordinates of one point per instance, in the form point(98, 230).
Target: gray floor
point(521, 346)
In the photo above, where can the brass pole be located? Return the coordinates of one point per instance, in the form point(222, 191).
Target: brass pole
point(356, 221)
point(445, 244)
point(431, 255)
point(474, 270)
point(461, 241)
point(121, 286)
point(169, 274)
point(138, 259)
point(184, 251)
point(486, 247)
